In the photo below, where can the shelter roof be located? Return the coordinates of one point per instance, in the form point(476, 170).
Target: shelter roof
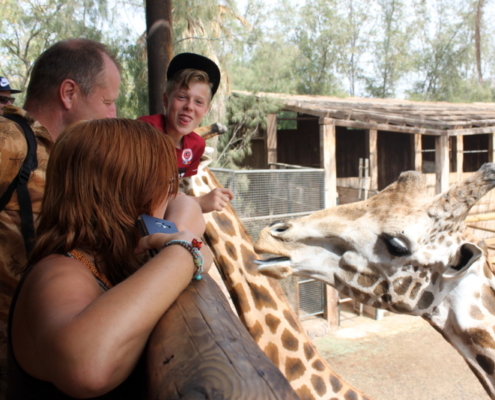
point(415, 117)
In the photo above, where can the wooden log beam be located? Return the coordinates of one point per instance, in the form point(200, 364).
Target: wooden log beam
point(200, 350)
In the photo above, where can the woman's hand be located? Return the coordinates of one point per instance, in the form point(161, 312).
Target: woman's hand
point(158, 240)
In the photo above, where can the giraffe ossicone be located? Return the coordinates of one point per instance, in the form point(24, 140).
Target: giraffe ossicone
point(406, 252)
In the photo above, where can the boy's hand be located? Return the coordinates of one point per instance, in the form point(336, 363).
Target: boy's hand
point(216, 200)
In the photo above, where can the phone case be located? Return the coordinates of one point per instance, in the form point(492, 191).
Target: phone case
point(149, 225)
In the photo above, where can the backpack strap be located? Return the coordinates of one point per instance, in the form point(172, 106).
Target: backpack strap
point(20, 183)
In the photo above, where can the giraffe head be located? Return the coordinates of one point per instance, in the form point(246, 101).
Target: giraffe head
point(399, 250)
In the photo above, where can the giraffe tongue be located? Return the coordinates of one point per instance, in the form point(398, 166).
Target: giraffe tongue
point(272, 260)
point(277, 267)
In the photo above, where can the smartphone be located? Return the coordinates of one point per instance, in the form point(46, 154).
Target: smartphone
point(149, 225)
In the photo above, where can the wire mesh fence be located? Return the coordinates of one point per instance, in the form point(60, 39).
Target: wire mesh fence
point(262, 197)
point(265, 196)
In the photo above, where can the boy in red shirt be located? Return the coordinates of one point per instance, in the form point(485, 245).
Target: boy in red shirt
point(192, 81)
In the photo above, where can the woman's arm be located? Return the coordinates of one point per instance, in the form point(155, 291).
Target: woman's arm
point(69, 332)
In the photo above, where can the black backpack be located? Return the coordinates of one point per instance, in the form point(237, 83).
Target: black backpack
point(20, 183)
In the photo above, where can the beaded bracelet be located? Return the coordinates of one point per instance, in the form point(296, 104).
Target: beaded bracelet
point(193, 248)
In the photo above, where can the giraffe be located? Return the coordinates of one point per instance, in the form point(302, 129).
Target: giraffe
point(405, 252)
point(261, 304)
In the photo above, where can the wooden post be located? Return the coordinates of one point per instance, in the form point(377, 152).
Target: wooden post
point(442, 166)
point(491, 154)
point(159, 46)
point(200, 349)
point(328, 160)
point(373, 143)
point(460, 156)
point(418, 154)
point(271, 139)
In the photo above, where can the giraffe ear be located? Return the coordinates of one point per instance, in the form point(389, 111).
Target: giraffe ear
point(466, 256)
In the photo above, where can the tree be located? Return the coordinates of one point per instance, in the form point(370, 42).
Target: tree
point(29, 27)
point(390, 49)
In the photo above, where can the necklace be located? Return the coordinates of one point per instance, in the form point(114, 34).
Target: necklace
point(81, 257)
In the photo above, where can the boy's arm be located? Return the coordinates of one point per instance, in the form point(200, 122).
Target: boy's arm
point(216, 200)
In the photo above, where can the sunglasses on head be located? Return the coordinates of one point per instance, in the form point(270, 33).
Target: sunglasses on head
point(6, 100)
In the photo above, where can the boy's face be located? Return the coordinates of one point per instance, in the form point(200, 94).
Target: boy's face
point(185, 108)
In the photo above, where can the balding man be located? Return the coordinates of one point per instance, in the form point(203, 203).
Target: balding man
point(76, 79)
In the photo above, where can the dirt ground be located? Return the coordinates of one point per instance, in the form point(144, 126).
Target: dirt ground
point(396, 358)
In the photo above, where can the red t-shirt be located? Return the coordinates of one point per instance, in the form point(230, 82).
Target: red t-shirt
point(193, 146)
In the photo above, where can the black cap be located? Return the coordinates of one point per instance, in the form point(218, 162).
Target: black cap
point(4, 85)
point(195, 61)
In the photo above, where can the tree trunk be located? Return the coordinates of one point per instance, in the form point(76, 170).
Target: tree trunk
point(159, 46)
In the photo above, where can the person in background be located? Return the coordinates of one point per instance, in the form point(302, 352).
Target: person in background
point(5, 93)
point(91, 296)
point(75, 79)
point(192, 81)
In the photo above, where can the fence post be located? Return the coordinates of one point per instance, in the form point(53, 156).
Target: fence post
point(328, 161)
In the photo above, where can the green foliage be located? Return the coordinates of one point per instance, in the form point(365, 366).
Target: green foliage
point(247, 115)
point(29, 27)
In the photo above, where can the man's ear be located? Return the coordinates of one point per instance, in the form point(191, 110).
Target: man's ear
point(67, 92)
point(165, 100)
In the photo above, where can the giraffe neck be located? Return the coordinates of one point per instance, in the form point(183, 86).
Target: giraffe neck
point(466, 319)
point(263, 308)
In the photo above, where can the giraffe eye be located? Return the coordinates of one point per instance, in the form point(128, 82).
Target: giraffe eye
point(396, 246)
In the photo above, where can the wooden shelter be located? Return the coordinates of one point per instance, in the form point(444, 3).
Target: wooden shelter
point(444, 141)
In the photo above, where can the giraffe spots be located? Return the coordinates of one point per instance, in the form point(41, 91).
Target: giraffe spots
point(402, 308)
point(304, 393)
point(423, 274)
point(475, 313)
point(426, 300)
point(289, 341)
point(486, 363)
point(415, 290)
point(272, 322)
point(256, 331)
point(336, 384)
point(426, 255)
point(227, 265)
point(224, 223)
point(441, 239)
point(349, 271)
point(262, 297)
point(351, 395)
point(212, 234)
point(480, 338)
point(289, 317)
point(488, 299)
point(318, 384)
point(318, 365)
point(402, 284)
point(239, 298)
point(294, 368)
point(434, 278)
point(309, 351)
point(381, 289)
point(271, 351)
point(248, 256)
point(231, 250)
point(367, 280)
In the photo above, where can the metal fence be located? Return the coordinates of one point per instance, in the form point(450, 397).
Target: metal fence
point(270, 195)
point(264, 196)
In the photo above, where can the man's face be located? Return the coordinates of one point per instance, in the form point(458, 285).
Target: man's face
point(5, 99)
point(100, 103)
point(185, 108)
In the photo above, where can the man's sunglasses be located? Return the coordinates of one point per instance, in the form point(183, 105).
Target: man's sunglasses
point(6, 100)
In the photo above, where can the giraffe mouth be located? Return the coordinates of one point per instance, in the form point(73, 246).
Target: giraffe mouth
point(275, 267)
